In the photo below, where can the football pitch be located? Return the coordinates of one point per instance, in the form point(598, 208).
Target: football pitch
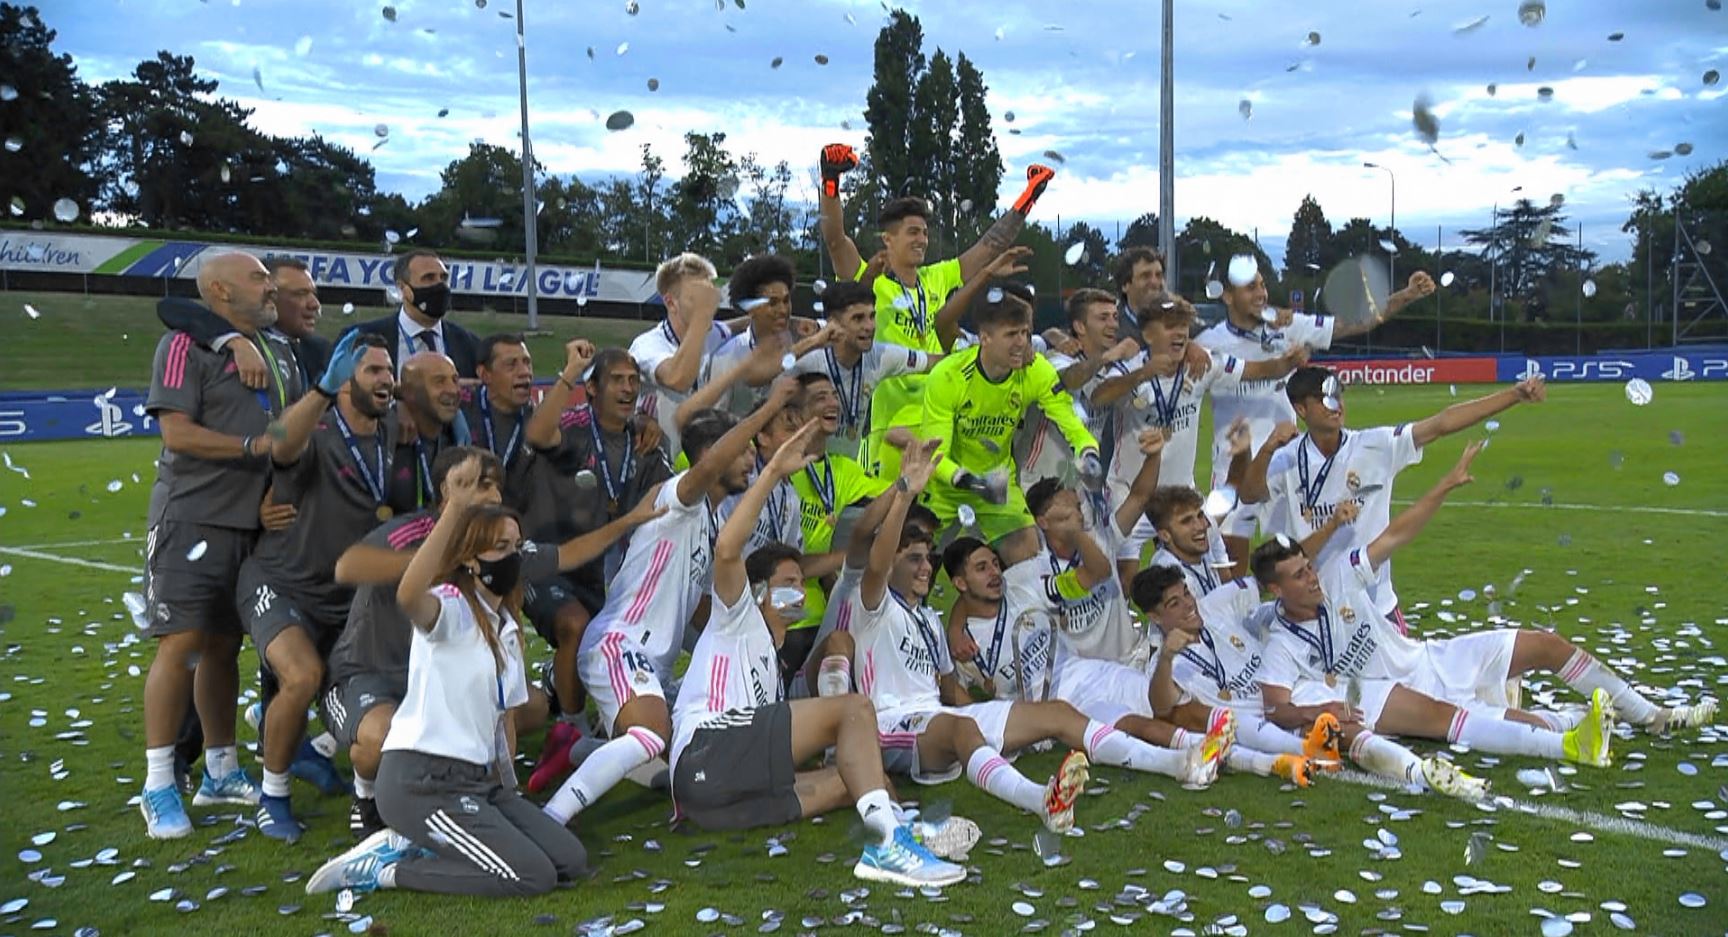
point(1570, 525)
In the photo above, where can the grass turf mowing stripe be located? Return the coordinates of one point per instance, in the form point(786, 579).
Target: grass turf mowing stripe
point(69, 560)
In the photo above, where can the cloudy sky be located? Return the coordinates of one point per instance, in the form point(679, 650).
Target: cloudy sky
point(1081, 79)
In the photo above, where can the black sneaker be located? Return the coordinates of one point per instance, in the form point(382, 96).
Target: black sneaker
point(363, 818)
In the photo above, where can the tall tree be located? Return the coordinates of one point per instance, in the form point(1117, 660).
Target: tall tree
point(486, 183)
point(1092, 267)
point(1207, 247)
point(1310, 237)
point(936, 114)
point(704, 210)
point(1528, 245)
point(977, 165)
point(889, 105)
point(1142, 232)
point(51, 119)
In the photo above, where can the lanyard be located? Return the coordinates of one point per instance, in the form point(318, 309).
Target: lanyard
point(275, 377)
point(491, 440)
point(1311, 491)
point(1321, 642)
point(920, 314)
point(374, 484)
point(824, 486)
point(1126, 313)
point(1208, 578)
point(423, 493)
point(1215, 669)
point(1166, 407)
point(1260, 334)
point(849, 403)
point(628, 468)
point(995, 653)
point(924, 631)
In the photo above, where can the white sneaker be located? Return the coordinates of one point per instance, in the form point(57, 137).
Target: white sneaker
point(1200, 771)
point(952, 839)
point(1697, 715)
point(1063, 789)
point(1444, 777)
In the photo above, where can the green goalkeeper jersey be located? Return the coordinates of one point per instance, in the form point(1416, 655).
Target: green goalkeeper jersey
point(976, 417)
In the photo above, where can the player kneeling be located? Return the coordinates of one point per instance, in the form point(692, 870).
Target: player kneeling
point(737, 743)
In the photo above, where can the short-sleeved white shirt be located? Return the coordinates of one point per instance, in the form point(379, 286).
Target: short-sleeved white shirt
point(1039, 447)
point(901, 652)
point(1227, 654)
point(1098, 626)
point(856, 385)
point(457, 693)
point(1026, 591)
point(1349, 638)
point(1305, 488)
point(734, 667)
point(654, 348)
point(778, 522)
point(1171, 403)
point(1262, 403)
point(667, 569)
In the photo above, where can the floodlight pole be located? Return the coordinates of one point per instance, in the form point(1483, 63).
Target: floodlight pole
point(1167, 148)
point(530, 218)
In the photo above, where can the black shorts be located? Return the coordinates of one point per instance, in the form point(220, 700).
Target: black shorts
point(344, 705)
point(737, 773)
point(191, 587)
point(267, 610)
point(542, 600)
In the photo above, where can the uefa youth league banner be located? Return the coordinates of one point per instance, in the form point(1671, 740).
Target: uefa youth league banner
point(103, 255)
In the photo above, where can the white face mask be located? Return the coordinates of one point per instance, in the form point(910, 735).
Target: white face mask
point(788, 601)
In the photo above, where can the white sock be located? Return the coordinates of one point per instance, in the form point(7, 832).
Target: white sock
point(1585, 674)
point(835, 676)
point(901, 817)
point(1504, 737)
point(1249, 760)
point(1560, 720)
point(1182, 738)
point(1385, 757)
point(158, 768)
point(362, 787)
point(325, 744)
point(995, 776)
point(276, 783)
point(878, 813)
point(1111, 746)
point(1262, 735)
point(602, 770)
point(222, 761)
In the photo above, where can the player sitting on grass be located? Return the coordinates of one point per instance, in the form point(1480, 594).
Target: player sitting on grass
point(737, 743)
point(1328, 635)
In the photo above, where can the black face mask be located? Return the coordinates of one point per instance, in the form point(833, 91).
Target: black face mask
point(433, 299)
point(499, 576)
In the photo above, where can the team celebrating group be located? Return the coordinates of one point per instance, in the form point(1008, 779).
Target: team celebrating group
point(773, 495)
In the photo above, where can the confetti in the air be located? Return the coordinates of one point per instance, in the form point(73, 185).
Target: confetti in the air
point(620, 120)
point(1075, 254)
point(1470, 27)
point(1245, 107)
point(1638, 391)
point(1422, 116)
point(66, 211)
point(1532, 12)
point(390, 14)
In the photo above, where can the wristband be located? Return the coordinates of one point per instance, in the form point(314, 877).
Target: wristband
point(326, 394)
point(901, 484)
point(565, 381)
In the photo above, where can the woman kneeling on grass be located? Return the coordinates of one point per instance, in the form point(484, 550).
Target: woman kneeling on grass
point(445, 783)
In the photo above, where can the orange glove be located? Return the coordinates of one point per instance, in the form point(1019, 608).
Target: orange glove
point(837, 158)
point(1037, 179)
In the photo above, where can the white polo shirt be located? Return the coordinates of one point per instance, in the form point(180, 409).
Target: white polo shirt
point(457, 694)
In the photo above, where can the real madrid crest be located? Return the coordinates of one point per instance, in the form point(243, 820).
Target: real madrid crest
point(1236, 643)
point(1348, 614)
point(1352, 480)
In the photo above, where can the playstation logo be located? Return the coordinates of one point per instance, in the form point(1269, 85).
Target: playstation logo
point(1531, 369)
point(1681, 371)
point(112, 422)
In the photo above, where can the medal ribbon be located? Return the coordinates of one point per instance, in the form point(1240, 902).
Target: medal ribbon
point(849, 403)
point(921, 315)
point(1215, 669)
point(625, 470)
point(824, 486)
point(374, 484)
point(491, 440)
point(996, 638)
point(275, 377)
point(1321, 642)
point(1311, 491)
point(924, 632)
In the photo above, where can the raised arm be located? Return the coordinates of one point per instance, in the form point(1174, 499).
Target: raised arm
point(1273, 368)
point(544, 431)
point(366, 565)
point(413, 593)
point(707, 469)
point(730, 580)
point(300, 419)
point(836, 160)
point(1252, 489)
point(1140, 490)
point(1164, 692)
point(1345, 514)
point(579, 551)
point(717, 388)
point(698, 299)
point(1461, 416)
point(1011, 262)
point(1412, 519)
point(1081, 373)
point(1001, 234)
point(916, 470)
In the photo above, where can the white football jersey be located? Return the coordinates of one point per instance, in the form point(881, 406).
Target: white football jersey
point(1099, 625)
point(1305, 488)
point(1169, 403)
point(667, 569)
point(901, 651)
point(1348, 639)
point(652, 349)
point(1026, 597)
point(1262, 403)
point(856, 385)
point(1221, 666)
point(734, 667)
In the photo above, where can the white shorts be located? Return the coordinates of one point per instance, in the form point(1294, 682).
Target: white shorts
point(1468, 671)
point(1371, 705)
point(1102, 689)
point(614, 673)
point(898, 731)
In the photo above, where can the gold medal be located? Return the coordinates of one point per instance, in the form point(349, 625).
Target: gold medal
point(852, 433)
point(1331, 679)
point(832, 520)
point(1224, 694)
point(384, 513)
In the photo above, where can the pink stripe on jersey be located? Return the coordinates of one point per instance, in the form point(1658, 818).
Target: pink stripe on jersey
point(867, 675)
point(174, 374)
point(897, 740)
point(1037, 440)
point(411, 533)
point(843, 621)
point(656, 569)
point(717, 684)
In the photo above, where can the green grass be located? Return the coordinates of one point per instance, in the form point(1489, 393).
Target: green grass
point(1636, 586)
point(112, 338)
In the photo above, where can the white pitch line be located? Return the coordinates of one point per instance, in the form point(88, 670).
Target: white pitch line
point(1601, 822)
point(69, 560)
point(1559, 506)
point(77, 543)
